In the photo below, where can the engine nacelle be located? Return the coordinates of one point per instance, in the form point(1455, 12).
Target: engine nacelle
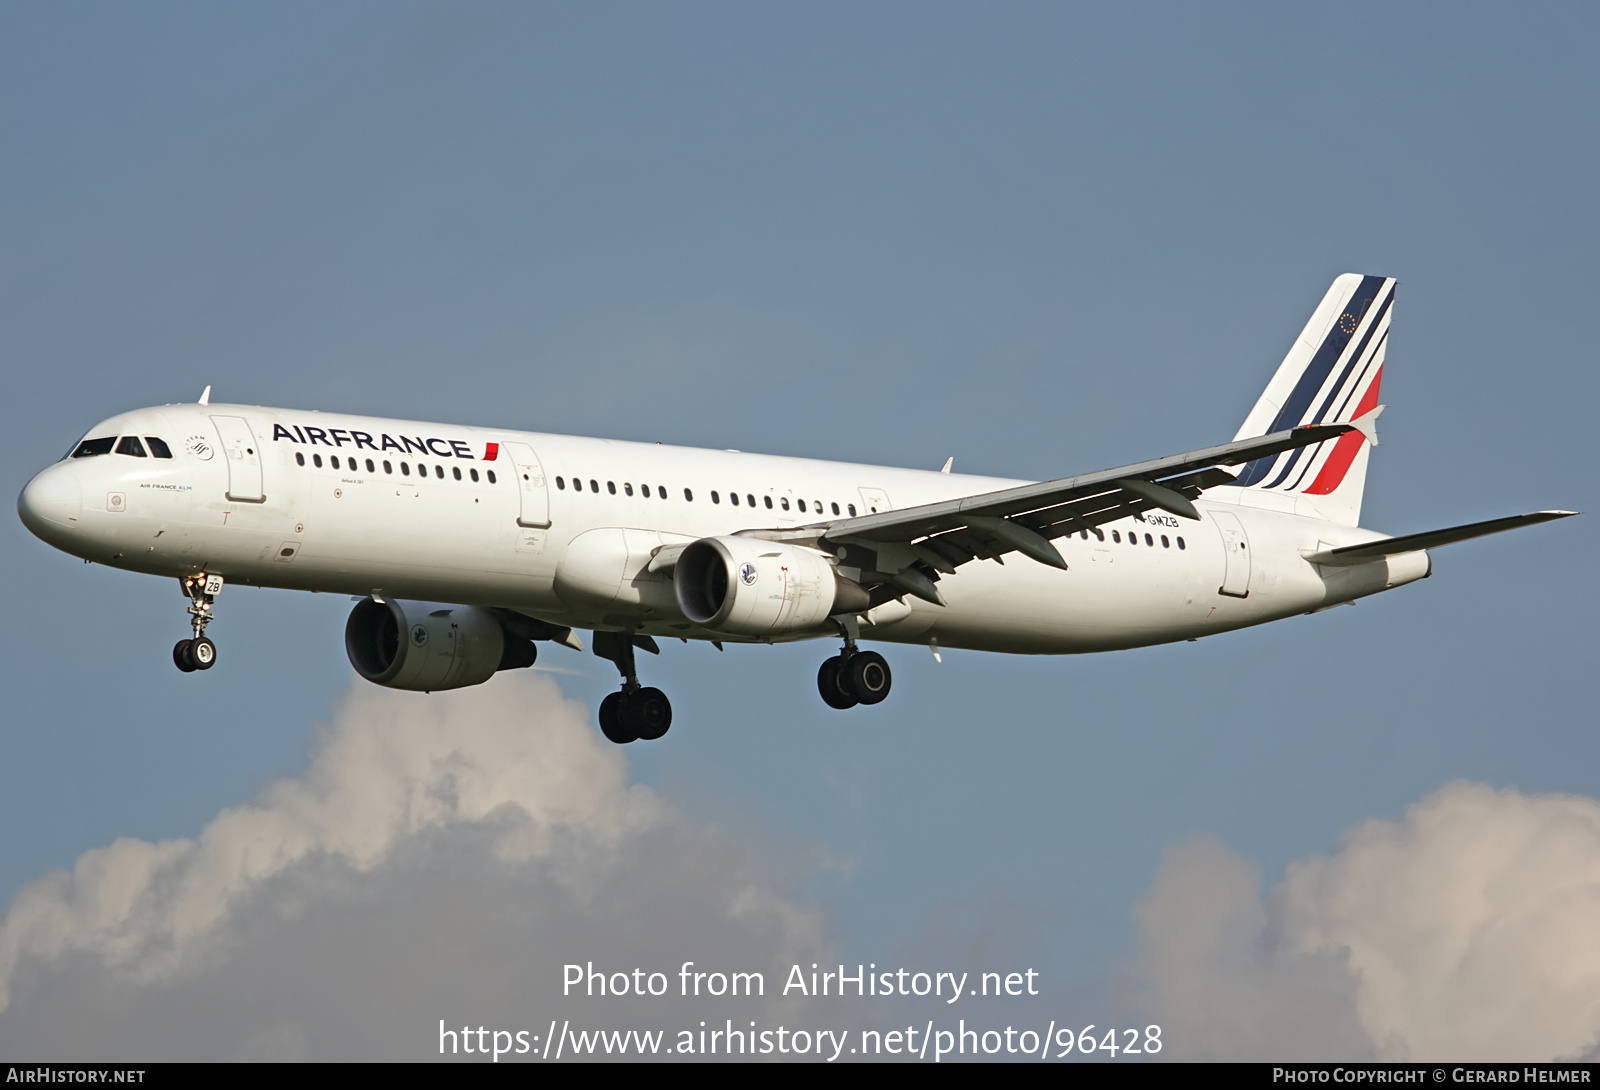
point(749, 587)
point(426, 646)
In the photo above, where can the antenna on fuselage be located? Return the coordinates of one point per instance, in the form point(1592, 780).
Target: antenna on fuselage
point(205, 396)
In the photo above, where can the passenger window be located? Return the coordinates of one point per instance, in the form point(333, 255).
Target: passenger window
point(561, 484)
point(1117, 537)
point(405, 469)
point(131, 446)
point(802, 505)
point(457, 471)
point(611, 487)
point(661, 491)
point(1165, 544)
point(627, 488)
point(594, 485)
point(438, 471)
point(299, 459)
point(851, 508)
point(1099, 535)
point(836, 509)
point(370, 467)
point(387, 468)
point(644, 491)
point(714, 497)
point(750, 501)
point(90, 447)
point(422, 470)
point(768, 500)
point(688, 496)
point(316, 460)
point(784, 503)
point(490, 472)
point(473, 473)
point(158, 447)
point(733, 498)
point(1148, 540)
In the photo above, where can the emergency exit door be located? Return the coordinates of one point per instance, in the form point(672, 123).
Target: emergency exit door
point(535, 509)
point(1235, 554)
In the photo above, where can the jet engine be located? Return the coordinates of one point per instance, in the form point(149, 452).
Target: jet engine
point(748, 587)
point(424, 646)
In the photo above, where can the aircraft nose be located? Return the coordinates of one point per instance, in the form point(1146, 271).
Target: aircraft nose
point(51, 502)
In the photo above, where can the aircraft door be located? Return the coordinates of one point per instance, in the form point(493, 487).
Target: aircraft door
point(535, 497)
point(243, 453)
point(1235, 553)
point(874, 501)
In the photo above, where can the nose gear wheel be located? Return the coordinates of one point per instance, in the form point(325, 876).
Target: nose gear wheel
point(192, 655)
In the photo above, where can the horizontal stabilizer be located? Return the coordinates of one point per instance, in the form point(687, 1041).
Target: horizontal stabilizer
point(1367, 424)
point(1430, 539)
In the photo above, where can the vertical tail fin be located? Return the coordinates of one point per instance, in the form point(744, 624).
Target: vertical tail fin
point(1331, 374)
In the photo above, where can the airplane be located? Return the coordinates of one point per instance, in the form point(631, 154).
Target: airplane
point(465, 547)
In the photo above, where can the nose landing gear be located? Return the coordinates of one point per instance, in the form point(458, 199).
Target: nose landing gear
point(198, 653)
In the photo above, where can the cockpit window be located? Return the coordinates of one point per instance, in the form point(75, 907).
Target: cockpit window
point(158, 447)
point(90, 447)
point(130, 445)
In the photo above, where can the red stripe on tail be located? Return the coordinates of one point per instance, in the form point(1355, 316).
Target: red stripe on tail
point(1347, 446)
point(492, 452)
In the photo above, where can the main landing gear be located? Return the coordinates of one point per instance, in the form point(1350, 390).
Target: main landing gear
point(638, 712)
point(853, 677)
point(198, 653)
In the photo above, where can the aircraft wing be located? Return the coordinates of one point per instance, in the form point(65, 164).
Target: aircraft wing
point(910, 546)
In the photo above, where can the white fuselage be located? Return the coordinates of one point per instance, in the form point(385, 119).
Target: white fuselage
point(255, 507)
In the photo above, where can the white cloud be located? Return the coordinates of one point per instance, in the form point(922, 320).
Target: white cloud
point(1469, 930)
point(441, 858)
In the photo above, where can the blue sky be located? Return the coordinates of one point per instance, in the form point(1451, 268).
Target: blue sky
point(1043, 239)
